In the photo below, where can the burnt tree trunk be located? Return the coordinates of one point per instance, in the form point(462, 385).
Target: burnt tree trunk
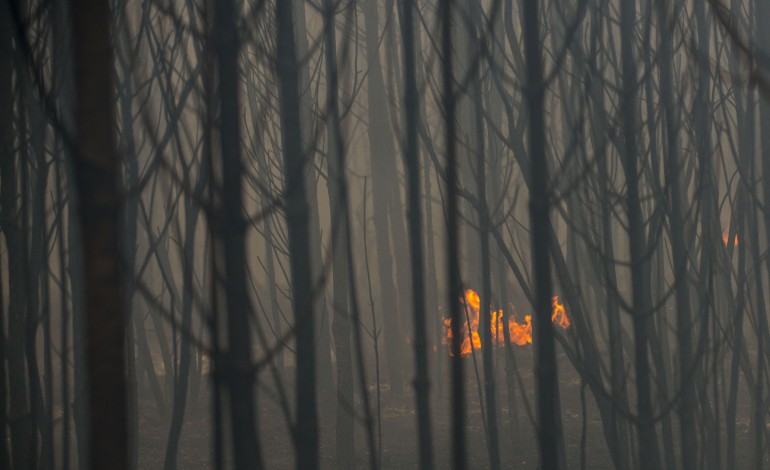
point(326, 392)
point(546, 381)
point(230, 229)
point(8, 427)
point(421, 380)
point(306, 426)
point(454, 289)
point(344, 437)
point(96, 168)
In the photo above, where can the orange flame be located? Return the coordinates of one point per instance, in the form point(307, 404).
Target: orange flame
point(520, 333)
point(726, 239)
point(559, 315)
point(470, 327)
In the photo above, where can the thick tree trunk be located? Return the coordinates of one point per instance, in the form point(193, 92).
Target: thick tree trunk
point(546, 381)
point(306, 426)
point(19, 405)
point(99, 201)
point(231, 226)
point(411, 108)
point(454, 288)
point(326, 392)
point(80, 373)
point(10, 425)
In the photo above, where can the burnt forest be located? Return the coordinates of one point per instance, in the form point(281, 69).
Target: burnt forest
point(384, 234)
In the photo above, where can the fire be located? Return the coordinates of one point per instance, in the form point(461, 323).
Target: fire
point(726, 239)
point(470, 327)
point(559, 315)
point(520, 333)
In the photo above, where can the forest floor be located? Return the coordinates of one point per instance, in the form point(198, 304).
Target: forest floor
point(585, 443)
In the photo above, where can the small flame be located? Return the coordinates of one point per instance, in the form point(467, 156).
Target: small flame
point(726, 239)
point(559, 316)
point(470, 327)
point(520, 333)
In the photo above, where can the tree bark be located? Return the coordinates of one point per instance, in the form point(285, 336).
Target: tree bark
point(344, 437)
point(453, 239)
point(411, 108)
point(230, 231)
point(306, 426)
point(640, 272)
point(326, 392)
point(546, 380)
point(96, 175)
point(8, 427)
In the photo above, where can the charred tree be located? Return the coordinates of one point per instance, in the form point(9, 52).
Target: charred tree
point(230, 226)
point(14, 409)
point(454, 287)
point(306, 426)
point(339, 211)
point(411, 152)
point(548, 421)
point(96, 169)
point(326, 392)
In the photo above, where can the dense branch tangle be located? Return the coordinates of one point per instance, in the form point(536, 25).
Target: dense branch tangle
point(611, 153)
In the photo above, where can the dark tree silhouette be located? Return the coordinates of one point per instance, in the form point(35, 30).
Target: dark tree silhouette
point(305, 428)
point(96, 167)
point(412, 162)
point(181, 183)
point(549, 431)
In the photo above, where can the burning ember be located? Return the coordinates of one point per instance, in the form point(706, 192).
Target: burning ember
point(520, 333)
